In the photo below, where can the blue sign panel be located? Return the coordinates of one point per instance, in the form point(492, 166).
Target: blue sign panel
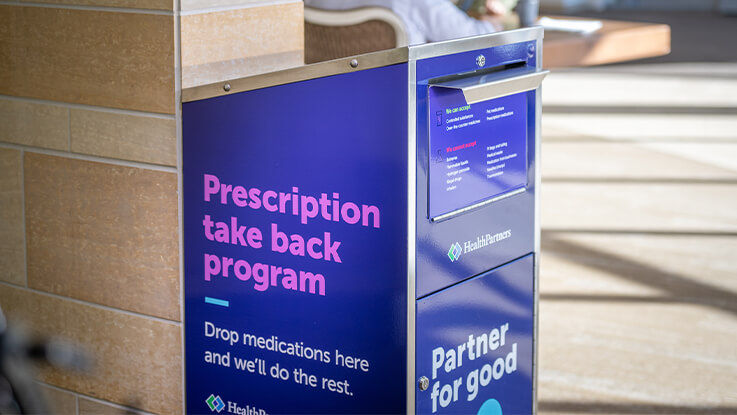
point(478, 151)
point(450, 251)
point(474, 344)
point(295, 245)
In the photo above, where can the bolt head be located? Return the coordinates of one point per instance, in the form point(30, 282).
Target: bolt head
point(480, 61)
point(423, 383)
point(226, 87)
point(354, 63)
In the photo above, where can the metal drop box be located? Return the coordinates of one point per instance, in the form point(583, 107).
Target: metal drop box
point(362, 235)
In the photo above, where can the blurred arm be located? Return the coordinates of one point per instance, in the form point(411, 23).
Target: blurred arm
point(442, 20)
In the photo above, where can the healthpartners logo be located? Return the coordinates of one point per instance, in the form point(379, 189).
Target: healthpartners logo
point(455, 251)
point(215, 403)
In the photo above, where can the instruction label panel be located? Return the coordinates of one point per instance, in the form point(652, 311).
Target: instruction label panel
point(478, 151)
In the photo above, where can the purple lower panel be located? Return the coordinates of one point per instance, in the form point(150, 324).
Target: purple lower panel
point(475, 344)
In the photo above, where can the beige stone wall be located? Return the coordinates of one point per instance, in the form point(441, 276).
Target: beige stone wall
point(89, 176)
point(222, 42)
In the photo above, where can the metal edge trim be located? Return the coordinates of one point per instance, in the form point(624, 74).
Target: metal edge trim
point(505, 87)
point(457, 212)
point(411, 234)
point(537, 230)
point(431, 50)
point(296, 74)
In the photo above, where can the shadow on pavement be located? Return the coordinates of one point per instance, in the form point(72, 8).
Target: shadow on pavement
point(681, 288)
point(629, 408)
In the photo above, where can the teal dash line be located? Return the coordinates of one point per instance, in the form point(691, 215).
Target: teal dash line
point(215, 301)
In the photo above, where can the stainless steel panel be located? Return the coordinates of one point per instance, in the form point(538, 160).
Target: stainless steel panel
point(478, 88)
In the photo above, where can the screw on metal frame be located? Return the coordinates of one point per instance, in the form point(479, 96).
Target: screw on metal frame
point(423, 383)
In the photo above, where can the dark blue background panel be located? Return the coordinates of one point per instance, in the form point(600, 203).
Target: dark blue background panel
point(474, 344)
point(493, 234)
point(343, 136)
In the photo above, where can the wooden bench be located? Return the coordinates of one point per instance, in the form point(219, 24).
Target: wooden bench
point(332, 34)
point(616, 41)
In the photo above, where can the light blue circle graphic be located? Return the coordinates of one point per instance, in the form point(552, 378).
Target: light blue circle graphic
point(490, 407)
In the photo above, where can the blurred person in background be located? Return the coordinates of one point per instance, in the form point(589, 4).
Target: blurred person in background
point(437, 20)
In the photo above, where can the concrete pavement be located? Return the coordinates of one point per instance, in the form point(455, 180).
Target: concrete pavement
point(639, 262)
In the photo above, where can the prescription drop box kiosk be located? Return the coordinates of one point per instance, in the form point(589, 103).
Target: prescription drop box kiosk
point(362, 235)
